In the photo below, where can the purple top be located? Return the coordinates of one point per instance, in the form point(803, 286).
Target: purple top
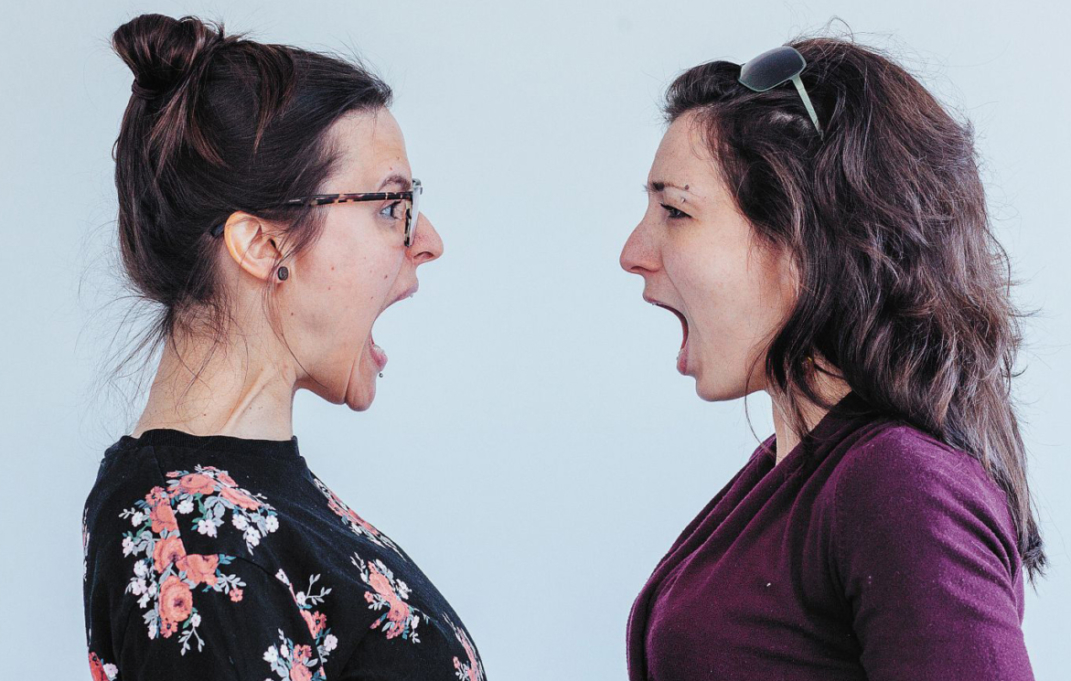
point(872, 551)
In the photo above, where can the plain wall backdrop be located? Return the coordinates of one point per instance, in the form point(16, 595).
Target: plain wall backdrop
point(531, 445)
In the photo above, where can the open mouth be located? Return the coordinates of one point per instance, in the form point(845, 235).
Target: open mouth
point(684, 322)
point(378, 356)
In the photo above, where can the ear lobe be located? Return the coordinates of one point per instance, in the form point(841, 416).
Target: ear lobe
point(251, 244)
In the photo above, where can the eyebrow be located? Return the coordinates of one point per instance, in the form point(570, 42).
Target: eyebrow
point(658, 186)
point(398, 179)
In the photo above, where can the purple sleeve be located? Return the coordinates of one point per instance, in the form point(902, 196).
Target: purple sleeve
point(925, 552)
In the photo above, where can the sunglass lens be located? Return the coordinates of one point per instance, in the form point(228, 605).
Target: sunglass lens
point(771, 68)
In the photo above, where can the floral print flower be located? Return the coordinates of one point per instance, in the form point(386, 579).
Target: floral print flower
point(161, 515)
point(213, 493)
point(194, 483)
point(239, 498)
point(359, 526)
point(176, 604)
point(294, 662)
point(472, 670)
point(167, 551)
point(165, 574)
point(401, 619)
point(100, 670)
point(315, 620)
point(200, 569)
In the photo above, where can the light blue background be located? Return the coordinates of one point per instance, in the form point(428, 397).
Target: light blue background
point(531, 445)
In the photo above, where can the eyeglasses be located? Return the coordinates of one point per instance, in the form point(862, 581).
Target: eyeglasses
point(410, 201)
point(774, 67)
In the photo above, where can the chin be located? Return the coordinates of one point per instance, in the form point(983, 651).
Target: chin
point(705, 393)
point(360, 404)
point(710, 391)
point(364, 398)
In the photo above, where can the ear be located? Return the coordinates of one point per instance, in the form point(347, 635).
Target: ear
point(253, 243)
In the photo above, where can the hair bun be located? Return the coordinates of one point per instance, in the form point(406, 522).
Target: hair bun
point(161, 50)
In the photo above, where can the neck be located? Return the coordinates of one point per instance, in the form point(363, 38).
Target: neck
point(830, 388)
point(249, 397)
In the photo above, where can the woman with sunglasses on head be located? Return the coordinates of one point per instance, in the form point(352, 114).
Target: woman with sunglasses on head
point(266, 203)
point(829, 244)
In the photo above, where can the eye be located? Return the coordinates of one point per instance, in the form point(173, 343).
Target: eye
point(393, 211)
point(674, 213)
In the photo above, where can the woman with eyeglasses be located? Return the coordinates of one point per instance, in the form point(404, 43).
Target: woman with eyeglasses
point(826, 240)
point(266, 205)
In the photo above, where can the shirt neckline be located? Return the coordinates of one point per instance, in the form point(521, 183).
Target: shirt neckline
point(849, 407)
point(171, 437)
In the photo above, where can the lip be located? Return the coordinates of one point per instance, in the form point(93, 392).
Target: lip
point(404, 294)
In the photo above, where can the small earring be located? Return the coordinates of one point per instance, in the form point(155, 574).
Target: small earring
point(283, 272)
point(381, 374)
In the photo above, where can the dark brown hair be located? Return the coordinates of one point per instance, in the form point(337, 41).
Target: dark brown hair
point(903, 287)
point(215, 124)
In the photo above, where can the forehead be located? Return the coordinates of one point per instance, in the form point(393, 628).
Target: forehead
point(370, 147)
point(685, 161)
point(683, 155)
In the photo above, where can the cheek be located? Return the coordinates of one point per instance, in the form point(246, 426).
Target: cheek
point(705, 275)
point(728, 293)
point(364, 286)
point(351, 288)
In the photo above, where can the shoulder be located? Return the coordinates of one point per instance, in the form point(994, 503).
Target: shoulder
point(923, 554)
point(166, 547)
point(902, 493)
point(136, 490)
point(125, 476)
point(901, 463)
point(140, 518)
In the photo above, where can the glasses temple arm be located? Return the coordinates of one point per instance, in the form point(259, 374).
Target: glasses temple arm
point(807, 103)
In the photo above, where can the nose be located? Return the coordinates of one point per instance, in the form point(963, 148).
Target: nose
point(639, 256)
point(427, 244)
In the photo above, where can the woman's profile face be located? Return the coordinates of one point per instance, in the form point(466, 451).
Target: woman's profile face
point(699, 256)
point(358, 268)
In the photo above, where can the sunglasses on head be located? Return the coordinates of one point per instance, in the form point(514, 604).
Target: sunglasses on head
point(774, 67)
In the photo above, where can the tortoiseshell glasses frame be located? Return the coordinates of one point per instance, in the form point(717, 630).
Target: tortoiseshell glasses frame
point(411, 199)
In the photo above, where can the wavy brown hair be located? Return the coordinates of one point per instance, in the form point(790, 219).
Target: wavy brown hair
point(904, 288)
point(219, 123)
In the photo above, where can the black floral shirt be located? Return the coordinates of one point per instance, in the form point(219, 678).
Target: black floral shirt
point(216, 557)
